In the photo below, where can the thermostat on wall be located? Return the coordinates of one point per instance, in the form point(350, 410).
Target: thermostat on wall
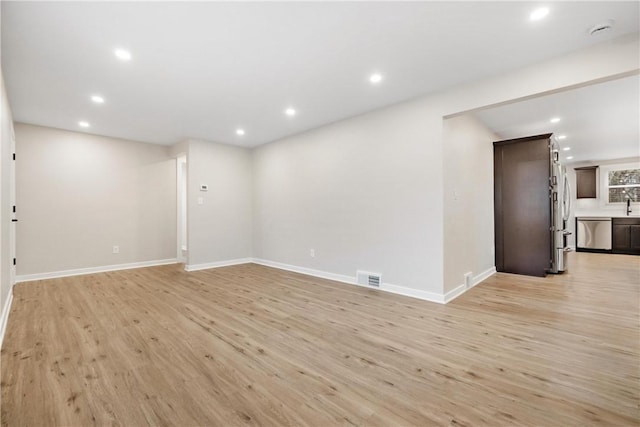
point(204, 187)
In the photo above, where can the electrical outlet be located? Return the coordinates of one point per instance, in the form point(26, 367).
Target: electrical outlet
point(312, 253)
point(116, 249)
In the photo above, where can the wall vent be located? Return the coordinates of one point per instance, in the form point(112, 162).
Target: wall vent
point(369, 279)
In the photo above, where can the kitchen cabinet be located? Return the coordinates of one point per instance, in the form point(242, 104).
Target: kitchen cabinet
point(625, 236)
point(522, 205)
point(586, 182)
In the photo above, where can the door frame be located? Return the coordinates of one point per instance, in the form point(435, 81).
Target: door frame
point(182, 251)
point(12, 207)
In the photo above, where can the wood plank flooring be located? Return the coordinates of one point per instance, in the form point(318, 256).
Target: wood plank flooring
point(251, 345)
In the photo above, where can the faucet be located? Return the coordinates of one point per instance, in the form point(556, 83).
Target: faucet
point(628, 206)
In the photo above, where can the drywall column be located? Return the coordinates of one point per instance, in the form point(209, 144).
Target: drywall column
point(468, 195)
point(219, 218)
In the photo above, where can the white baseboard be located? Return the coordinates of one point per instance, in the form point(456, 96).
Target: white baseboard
point(196, 267)
point(308, 271)
point(351, 280)
point(91, 270)
point(454, 293)
point(5, 315)
point(461, 289)
point(413, 293)
point(483, 276)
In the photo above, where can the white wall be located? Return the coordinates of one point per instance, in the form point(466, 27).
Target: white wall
point(78, 195)
point(6, 124)
point(369, 192)
point(468, 196)
point(100, 192)
point(220, 229)
point(351, 192)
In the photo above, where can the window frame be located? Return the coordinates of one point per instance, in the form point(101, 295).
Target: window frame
point(608, 185)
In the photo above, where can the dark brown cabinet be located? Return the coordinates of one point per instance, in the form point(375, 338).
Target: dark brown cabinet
point(625, 236)
point(586, 182)
point(522, 205)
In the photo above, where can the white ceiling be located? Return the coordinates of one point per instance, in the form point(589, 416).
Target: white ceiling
point(201, 70)
point(600, 122)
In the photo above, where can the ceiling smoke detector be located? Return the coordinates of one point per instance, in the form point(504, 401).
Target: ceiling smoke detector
point(602, 27)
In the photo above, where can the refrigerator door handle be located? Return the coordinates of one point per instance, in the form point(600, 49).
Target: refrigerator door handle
point(566, 199)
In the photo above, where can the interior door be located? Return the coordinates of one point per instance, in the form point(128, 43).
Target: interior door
point(522, 205)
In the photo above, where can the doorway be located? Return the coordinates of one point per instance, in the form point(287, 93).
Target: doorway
point(12, 203)
point(181, 176)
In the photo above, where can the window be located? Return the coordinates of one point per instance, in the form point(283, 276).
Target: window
point(623, 185)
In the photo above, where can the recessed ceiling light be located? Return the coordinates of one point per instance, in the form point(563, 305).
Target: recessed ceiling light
point(555, 120)
point(570, 157)
point(83, 124)
point(240, 132)
point(375, 78)
point(538, 14)
point(122, 54)
point(290, 112)
point(97, 99)
point(566, 149)
point(562, 136)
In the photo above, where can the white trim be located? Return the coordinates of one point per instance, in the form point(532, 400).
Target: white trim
point(352, 280)
point(413, 293)
point(308, 271)
point(91, 270)
point(612, 168)
point(483, 276)
point(216, 264)
point(181, 191)
point(5, 315)
point(455, 293)
point(459, 290)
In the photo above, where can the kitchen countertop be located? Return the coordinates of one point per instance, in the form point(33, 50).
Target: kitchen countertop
point(606, 216)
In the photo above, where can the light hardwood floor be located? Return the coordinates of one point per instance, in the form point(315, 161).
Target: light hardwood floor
point(258, 346)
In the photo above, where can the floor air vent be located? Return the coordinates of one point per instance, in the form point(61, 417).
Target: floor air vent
point(369, 279)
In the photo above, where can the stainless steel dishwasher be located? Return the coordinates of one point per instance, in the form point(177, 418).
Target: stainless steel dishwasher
point(594, 233)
